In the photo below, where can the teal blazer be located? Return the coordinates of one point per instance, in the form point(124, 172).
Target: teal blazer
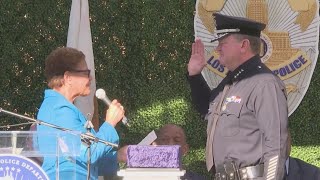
point(56, 109)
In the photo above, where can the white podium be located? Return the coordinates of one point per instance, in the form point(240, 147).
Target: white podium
point(151, 173)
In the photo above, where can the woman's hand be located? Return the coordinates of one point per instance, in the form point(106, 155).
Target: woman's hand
point(114, 113)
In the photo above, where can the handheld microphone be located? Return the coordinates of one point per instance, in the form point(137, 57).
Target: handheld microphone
point(101, 94)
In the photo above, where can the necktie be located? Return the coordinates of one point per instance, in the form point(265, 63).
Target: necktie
point(212, 122)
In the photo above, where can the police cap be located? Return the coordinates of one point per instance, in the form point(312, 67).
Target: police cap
point(231, 24)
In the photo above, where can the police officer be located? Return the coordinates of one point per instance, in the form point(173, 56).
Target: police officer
point(247, 112)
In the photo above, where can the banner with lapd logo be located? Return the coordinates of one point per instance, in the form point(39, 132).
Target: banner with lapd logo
point(289, 41)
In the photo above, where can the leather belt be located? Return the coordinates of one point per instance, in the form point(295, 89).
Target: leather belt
point(228, 171)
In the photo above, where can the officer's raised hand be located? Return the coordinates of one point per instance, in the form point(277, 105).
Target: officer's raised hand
point(197, 60)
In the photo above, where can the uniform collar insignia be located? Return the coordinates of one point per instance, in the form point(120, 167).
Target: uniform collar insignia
point(243, 70)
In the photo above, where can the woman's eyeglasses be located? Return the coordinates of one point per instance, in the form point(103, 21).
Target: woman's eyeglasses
point(85, 71)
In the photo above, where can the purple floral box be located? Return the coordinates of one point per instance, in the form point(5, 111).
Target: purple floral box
point(148, 156)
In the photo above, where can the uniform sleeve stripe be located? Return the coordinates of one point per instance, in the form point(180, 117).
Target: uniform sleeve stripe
point(271, 177)
point(272, 167)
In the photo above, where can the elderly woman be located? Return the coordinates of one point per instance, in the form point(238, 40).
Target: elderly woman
point(68, 77)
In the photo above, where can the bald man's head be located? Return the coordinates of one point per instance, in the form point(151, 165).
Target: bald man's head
point(171, 134)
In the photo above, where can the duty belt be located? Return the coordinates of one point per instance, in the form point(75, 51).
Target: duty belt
point(229, 171)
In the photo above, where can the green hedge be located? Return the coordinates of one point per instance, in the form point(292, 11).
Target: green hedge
point(141, 49)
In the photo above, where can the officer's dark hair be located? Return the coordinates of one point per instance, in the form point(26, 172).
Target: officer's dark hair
point(255, 42)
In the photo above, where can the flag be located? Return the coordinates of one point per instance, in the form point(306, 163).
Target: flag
point(79, 37)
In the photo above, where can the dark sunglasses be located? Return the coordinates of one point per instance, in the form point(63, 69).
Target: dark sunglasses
point(86, 71)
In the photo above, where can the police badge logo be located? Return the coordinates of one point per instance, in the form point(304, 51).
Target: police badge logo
point(14, 167)
point(289, 41)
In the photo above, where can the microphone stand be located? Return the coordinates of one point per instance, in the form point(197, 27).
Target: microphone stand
point(88, 125)
point(85, 136)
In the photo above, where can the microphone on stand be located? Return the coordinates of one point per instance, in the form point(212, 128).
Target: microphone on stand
point(101, 94)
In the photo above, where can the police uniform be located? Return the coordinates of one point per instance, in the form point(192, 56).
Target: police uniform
point(250, 137)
